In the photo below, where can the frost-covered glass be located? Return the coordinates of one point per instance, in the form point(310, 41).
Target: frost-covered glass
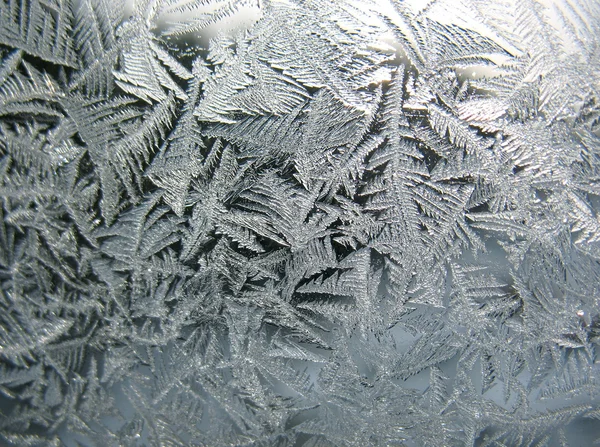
point(299, 223)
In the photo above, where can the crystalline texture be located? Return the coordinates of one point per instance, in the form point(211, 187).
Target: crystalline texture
point(336, 223)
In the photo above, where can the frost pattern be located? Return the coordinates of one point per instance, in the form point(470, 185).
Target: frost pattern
point(272, 236)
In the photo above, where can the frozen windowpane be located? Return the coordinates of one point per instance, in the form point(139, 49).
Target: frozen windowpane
point(299, 223)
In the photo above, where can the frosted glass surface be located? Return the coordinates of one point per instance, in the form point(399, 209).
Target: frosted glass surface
point(299, 223)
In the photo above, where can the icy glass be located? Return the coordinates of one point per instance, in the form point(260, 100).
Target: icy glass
point(299, 223)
